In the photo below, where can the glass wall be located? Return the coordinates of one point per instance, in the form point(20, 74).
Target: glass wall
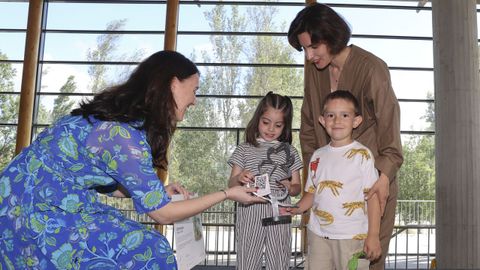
point(13, 25)
point(241, 49)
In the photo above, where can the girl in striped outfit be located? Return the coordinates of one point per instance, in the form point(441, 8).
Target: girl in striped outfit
point(267, 149)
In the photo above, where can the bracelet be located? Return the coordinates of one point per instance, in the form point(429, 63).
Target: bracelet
point(224, 192)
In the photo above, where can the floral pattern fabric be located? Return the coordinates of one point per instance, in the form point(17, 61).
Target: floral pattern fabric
point(50, 213)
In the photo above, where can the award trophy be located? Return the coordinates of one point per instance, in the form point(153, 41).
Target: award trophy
point(264, 192)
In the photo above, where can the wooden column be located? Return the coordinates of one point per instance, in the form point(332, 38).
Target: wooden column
point(27, 95)
point(457, 139)
point(170, 44)
point(171, 25)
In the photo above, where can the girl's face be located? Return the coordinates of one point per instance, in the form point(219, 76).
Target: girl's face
point(184, 94)
point(318, 54)
point(271, 124)
point(339, 120)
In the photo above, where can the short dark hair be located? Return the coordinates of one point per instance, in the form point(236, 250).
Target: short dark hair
point(345, 95)
point(147, 97)
point(323, 25)
point(277, 102)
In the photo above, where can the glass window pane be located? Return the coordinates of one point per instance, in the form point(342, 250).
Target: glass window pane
point(14, 14)
point(8, 136)
point(408, 53)
point(96, 16)
point(124, 47)
point(9, 104)
point(12, 45)
point(412, 84)
point(239, 49)
point(416, 116)
point(416, 177)
point(52, 107)
point(12, 76)
point(246, 20)
point(207, 171)
point(234, 80)
point(392, 22)
point(56, 76)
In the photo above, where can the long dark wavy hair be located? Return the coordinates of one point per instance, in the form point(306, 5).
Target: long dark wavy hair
point(277, 102)
point(146, 96)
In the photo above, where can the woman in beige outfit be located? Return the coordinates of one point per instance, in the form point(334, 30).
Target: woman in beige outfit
point(333, 64)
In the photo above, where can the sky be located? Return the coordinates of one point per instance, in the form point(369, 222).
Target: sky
point(395, 52)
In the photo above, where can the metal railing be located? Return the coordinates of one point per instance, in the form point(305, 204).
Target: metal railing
point(412, 245)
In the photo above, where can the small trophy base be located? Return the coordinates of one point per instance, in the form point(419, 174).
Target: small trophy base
point(276, 220)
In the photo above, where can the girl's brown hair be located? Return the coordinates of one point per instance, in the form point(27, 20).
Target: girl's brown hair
point(273, 101)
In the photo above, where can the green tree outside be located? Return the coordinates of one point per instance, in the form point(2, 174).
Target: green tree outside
point(416, 177)
point(8, 112)
point(199, 157)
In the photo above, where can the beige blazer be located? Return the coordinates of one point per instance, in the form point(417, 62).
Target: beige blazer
point(368, 78)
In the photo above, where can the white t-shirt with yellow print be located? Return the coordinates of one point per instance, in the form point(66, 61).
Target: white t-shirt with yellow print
point(338, 177)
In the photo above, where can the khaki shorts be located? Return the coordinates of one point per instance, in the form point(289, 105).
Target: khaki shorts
point(326, 254)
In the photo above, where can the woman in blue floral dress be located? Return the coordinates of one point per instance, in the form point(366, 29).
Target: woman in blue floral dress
point(50, 213)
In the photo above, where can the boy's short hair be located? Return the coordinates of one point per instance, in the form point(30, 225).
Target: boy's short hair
point(345, 95)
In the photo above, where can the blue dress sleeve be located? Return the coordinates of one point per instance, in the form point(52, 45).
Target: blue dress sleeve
point(123, 152)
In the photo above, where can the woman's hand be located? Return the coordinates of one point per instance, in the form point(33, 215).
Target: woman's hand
point(177, 188)
point(382, 189)
point(243, 195)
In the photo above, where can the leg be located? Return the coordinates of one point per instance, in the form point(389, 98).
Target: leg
point(250, 236)
point(278, 247)
point(319, 253)
point(344, 250)
point(386, 226)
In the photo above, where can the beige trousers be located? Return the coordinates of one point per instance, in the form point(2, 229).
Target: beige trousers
point(332, 254)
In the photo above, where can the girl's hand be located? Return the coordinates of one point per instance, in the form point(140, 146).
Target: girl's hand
point(245, 177)
point(243, 195)
point(372, 248)
point(286, 183)
point(176, 188)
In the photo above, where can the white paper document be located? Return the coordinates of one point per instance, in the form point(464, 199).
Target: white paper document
point(190, 248)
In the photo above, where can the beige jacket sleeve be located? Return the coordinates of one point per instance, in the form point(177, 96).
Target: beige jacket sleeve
point(386, 110)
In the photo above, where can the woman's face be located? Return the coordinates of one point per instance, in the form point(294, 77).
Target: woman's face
point(318, 54)
point(184, 94)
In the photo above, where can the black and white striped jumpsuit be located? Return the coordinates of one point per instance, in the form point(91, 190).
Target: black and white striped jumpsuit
point(279, 160)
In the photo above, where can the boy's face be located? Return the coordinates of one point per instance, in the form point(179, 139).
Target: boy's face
point(339, 120)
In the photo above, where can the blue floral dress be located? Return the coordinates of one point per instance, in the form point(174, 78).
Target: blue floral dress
point(50, 213)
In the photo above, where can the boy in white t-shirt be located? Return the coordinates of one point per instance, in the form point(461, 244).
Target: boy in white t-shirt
point(339, 175)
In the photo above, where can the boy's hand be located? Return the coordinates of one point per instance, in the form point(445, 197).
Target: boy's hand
point(291, 211)
point(372, 248)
